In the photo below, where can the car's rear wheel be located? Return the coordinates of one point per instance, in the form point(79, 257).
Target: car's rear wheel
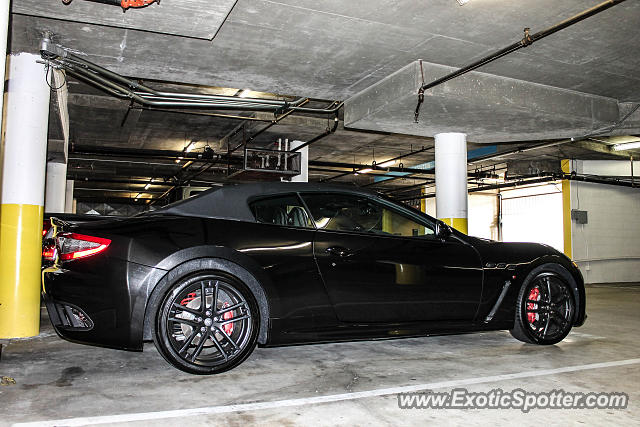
point(207, 323)
point(545, 309)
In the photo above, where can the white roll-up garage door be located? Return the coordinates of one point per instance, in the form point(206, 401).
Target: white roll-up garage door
point(533, 214)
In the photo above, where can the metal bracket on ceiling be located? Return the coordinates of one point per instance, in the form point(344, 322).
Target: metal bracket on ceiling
point(526, 40)
point(50, 50)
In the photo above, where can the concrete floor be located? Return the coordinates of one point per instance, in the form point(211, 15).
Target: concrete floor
point(58, 380)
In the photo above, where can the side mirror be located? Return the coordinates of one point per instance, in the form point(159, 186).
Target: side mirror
point(443, 231)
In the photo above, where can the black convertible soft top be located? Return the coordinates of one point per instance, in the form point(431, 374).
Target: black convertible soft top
point(232, 201)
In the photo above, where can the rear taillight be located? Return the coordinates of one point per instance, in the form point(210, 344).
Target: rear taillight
point(74, 246)
point(49, 252)
point(46, 225)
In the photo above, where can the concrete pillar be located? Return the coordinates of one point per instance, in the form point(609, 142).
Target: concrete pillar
point(451, 179)
point(23, 171)
point(304, 162)
point(4, 29)
point(55, 188)
point(68, 198)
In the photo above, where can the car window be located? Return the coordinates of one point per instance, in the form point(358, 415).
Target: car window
point(342, 212)
point(284, 210)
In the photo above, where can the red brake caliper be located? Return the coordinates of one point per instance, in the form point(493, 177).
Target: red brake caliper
point(228, 328)
point(534, 295)
point(190, 297)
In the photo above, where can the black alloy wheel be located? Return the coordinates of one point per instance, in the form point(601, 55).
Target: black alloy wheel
point(207, 323)
point(545, 310)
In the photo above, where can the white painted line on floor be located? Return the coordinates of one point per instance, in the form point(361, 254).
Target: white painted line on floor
point(243, 407)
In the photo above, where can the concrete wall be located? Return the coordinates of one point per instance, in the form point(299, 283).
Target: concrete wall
point(607, 248)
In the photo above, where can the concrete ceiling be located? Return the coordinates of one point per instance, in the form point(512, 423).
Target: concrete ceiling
point(337, 50)
point(333, 49)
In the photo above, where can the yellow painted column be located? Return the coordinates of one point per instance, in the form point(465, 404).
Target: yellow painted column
point(24, 150)
point(451, 179)
point(566, 208)
point(460, 224)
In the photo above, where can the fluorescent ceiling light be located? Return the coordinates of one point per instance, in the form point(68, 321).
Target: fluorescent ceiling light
point(137, 196)
point(146, 187)
point(244, 93)
point(626, 146)
point(462, 2)
point(190, 147)
point(387, 163)
point(367, 170)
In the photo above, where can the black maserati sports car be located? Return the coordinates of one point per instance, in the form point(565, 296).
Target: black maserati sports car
point(272, 264)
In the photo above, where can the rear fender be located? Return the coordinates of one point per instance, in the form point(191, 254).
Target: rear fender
point(190, 260)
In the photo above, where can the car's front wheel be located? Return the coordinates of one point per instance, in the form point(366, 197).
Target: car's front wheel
point(545, 308)
point(207, 323)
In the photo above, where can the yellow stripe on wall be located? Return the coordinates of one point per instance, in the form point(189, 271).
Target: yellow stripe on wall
point(460, 224)
point(20, 260)
point(566, 208)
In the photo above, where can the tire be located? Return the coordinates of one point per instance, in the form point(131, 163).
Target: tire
point(545, 307)
point(207, 338)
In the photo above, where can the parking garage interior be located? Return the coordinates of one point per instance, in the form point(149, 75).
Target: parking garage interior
point(508, 121)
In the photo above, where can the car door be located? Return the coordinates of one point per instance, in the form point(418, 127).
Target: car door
point(382, 263)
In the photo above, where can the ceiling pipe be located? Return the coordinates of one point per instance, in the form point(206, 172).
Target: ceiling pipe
point(117, 190)
point(402, 156)
point(411, 187)
point(219, 159)
point(183, 181)
point(159, 182)
point(527, 40)
point(355, 167)
point(203, 113)
point(326, 133)
point(114, 199)
point(597, 180)
point(544, 178)
point(486, 187)
point(273, 122)
point(124, 88)
point(373, 166)
point(521, 150)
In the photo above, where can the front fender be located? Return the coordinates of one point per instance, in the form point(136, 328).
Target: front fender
point(513, 262)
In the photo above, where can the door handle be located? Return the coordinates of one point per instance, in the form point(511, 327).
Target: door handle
point(338, 251)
